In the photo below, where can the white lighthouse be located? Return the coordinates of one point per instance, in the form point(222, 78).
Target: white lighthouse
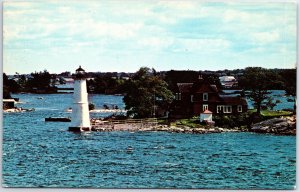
point(80, 110)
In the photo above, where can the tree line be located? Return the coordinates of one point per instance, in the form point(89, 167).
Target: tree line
point(147, 87)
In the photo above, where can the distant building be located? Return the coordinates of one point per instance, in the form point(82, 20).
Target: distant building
point(8, 103)
point(124, 76)
point(191, 99)
point(68, 79)
point(228, 81)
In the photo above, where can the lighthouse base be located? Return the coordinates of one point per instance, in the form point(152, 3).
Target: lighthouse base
point(79, 129)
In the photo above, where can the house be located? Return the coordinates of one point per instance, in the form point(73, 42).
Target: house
point(191, 99)
point(228, 81)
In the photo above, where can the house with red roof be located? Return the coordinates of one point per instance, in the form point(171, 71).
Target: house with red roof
point(192, 99)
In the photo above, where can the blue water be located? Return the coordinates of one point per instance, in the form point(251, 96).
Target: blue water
point(275, 95)
point(45, 154)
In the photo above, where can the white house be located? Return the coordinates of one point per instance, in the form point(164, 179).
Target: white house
point(228, 81)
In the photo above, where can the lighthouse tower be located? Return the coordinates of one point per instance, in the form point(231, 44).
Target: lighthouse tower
point(80, 109)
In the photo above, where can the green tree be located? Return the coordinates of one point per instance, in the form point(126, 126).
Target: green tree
point(270, 103)
point(40, 80)
point(106, 84)
point(6, 90)
point(145, 91)
point(256, 79)
point(290, 83)
point(290, 80)
point(22, 81)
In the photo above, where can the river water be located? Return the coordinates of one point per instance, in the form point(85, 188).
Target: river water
point(44, 154)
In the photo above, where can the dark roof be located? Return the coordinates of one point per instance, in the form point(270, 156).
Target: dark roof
point(198, 86)
point(184, 87)
point(234, 100)
point(202, 86)
point(80, 69)
point(80, 73)
point(214, 87)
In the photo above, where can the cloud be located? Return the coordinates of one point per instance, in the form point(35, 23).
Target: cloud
point(156, 43)
point(266, 37)
point(204, 45)
point(203, 30)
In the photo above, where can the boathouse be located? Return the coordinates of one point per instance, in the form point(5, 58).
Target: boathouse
point(8, 103)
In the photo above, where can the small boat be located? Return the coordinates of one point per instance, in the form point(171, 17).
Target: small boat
point(40, 98)
point(58, 119)
point(31, 109)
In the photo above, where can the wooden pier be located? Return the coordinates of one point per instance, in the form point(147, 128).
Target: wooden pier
point(123, 125)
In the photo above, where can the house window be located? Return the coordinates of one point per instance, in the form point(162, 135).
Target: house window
point(205, 107)
point(228, 109)
point(205, 96)
point(220, 108)
point(240, 108)
point(192, 98)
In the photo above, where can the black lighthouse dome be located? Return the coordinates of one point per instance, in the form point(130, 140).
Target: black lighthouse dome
point(80, 73)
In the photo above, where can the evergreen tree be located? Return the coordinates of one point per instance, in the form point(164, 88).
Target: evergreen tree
point(6, 91)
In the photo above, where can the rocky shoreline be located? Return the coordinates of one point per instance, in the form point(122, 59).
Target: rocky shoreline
point(276, 126)
point(172, 129)
point(17, 110)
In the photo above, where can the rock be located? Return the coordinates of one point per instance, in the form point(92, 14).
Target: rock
point(220, 129)
point(188, 131)
point(199, 131)
point(177, 130)
point(282, 125)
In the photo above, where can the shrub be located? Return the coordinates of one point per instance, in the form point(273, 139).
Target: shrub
point(232, 120)
point(91, 106)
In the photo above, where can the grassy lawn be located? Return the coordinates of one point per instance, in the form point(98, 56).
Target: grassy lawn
point(195, 123)
point(161, 121)
point(190, 122)
point(269, 113)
